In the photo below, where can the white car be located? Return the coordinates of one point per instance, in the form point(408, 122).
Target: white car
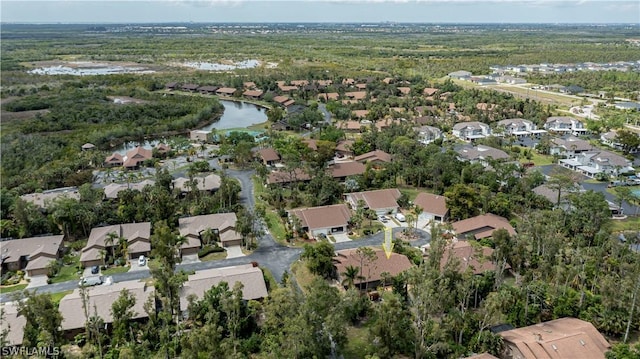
point(142, 261)
point(400, 217)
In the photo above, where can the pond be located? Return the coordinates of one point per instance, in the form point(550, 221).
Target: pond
point(236, 115)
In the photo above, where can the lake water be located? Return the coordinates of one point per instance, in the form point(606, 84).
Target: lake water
point(213, 66)
point(236, 115)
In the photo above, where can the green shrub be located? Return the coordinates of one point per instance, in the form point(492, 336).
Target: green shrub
point(209, 249)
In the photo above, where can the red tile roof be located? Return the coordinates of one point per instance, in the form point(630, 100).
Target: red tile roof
point(431, 203)
point(372, 272)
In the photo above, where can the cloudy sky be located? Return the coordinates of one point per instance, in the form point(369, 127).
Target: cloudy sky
point(429, 11)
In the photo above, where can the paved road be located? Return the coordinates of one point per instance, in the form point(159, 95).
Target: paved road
point(274, 256)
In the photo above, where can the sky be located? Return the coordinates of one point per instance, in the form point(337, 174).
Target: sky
point(328, 11)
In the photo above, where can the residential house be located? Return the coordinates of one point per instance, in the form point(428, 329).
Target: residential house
point(569, 147)
point(342, 170)
point(611, 139)
point(268, 156)
point(469, 256)
point(428, 134)
point(249, 85)
point(469, 131)
point(331, 96)
point(343, 148)
point(350, 126)
point(208, 90)
point(197, 284)
point(564, 124)
point(190, 87)
point(382, 201)
point(100, 301)
point(370, 273)
point(171, 86)
point(12, 324)
point(481, 154)
point(628, 106)
point(102, 240)
point(163, 148)
point(136, 156)
point(434, 207)
point(323, 220)
point(551, 194)
point(430, 91)
point(253, 94)
point(32, 255)
point(45, 198)
point(114, 160)
point(223, 225)
point(519, 127)
point(348, 81)
point(283, 177)
point(286, 89)
point(592, 163)
point(560, 338)
point(404, 91)
point(324, 83)
point(311, 143)
point(359, 114)
point(283, 101)
point(112, 189)
point(356, 95)
point(225, 91)
point(208, 183)
point(299, 83)
point(482, 226)
point(376, 157)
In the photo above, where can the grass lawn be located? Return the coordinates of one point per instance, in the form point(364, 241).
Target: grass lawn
point(57, 297)
point(358, 343)
point(269, 279)
point(214, 256)
point(12, 288)
point(629, 224)
point(115, 270)
point(68, 272)
point(302, 275)
point(411, 192)
point(275, 225)
point(537, 158)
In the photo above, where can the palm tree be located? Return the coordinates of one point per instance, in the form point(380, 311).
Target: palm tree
point(350, 274)
point(110, 241)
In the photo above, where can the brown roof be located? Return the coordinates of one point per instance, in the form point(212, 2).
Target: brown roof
point(162, 148)
point(252, 279)
point(560, 338)
point(361, 86)
point(360, 113)
point(344, 169)
point(112, 189)
point(252, 93)
point(98, 238)
point(285, 88)
point(372, 272)
point(226, 90)
point(376, 155)
point(356, 95)
point(404, 90)
point(47, 246)
point(376, 199)
point(286, 177)
point(249, 84)
point(482, 356)
point(572, 143)
point(101, 299)
point(299, 83)
point(429, 91)
point(268, 154)
point(344, 146)
point(206, 183)
point(13, 324)
point(281, 99)
point(43, 199)
point(311, 143)
point(350, 125)
point(323, 217)
point(137, 155)
point(482, 226)
point(329, 96)
point(193, 226)
point(116, 157)
point(477, 258)
point(432, 203)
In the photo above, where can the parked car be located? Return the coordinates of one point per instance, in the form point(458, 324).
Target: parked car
point(383, 219)
point(91, 281)
point(400, 217)
point(142, 261)
point(95, 270)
